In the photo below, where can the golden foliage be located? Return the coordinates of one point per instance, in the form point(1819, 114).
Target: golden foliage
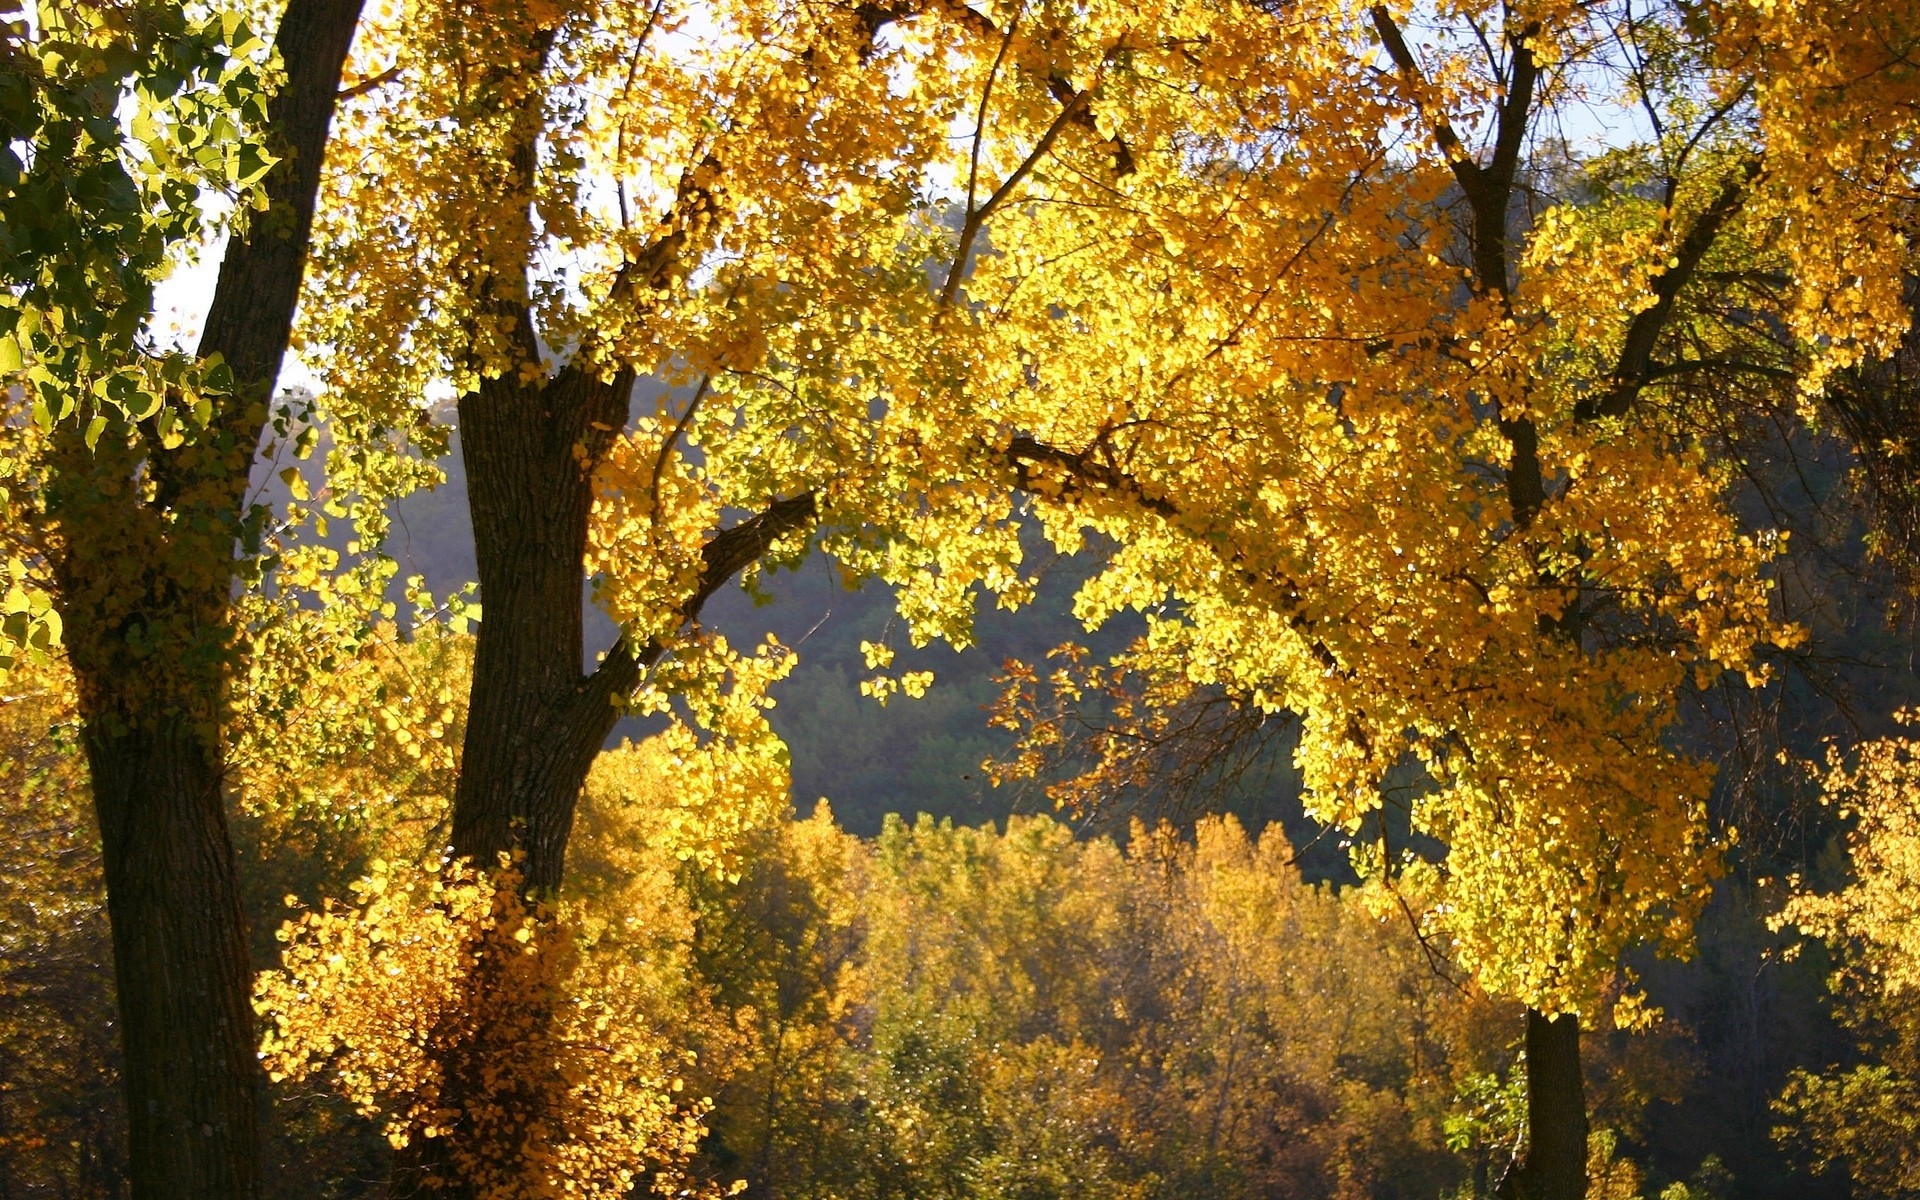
point(1262, 365)
point(1876, 917)
point(442, 981)
point(1863, 1116)
point(61, 1125)
point(1196, 294)
point(970, 1013)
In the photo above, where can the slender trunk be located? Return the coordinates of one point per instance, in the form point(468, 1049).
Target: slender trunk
point(251, 317)
point(143, 584)
point(536, 718)
point(1556, 1166)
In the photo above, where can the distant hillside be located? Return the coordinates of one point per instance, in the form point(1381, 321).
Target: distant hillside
point(867, 760)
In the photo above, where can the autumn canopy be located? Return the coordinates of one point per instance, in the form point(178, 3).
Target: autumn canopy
point(1401, 375)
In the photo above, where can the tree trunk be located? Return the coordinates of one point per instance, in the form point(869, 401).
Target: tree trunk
point(143, 586)
point(536, 717)
point(251, 317)
point(1556, 1166)
point(535, 720)
point(180, 962)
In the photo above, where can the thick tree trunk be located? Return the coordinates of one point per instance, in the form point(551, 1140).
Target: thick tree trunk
point(180, 962)
point(144, 586)
point(535, 720)
point(536, 717)
point(1556, 1166)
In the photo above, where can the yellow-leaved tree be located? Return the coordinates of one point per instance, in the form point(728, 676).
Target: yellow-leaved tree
point(1377, 391)
point(1382, 388)
point(532, 209)
point(1862, 1117)
point(135, 133)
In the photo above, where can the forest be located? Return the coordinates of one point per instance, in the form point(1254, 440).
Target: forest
point(960, 599)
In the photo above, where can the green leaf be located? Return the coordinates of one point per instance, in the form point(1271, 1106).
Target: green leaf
point(249, 164)
point(168, 426)
point(149, 405)
point(218, 376)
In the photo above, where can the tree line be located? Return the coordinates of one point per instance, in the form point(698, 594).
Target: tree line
point(938, 1011)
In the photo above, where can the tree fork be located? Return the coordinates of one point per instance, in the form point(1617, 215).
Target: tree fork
point(536, 720)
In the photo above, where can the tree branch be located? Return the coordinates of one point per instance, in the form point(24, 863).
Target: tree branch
point(1058, 86)
point(695, 201)
point(1635, 367)
point(728, 553)
point(975, 219)
point(369, 84)
point(1464, 168)
point(1082, 471)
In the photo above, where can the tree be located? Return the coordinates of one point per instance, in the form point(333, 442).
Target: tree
point(1457, 533)
point(130, 481)
point(1390, 430)
point(1861, 1116)
point(486, 161)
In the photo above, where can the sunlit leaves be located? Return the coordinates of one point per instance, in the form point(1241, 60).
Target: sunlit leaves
point(440, 981)
point(1862, 1115)
point(131, 133)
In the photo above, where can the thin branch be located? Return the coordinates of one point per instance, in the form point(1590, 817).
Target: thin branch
point(667, 444)
point(695, 199)
point(725, 555)
point(369, 84)
point(626, 89)
point(1409, 66)
point(1713, 118)
point(986, 99)
point(1634, 370)
point(971, 230)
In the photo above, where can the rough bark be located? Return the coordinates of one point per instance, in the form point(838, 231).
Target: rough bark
point(144, 588)
point(252, 313)
point(180, 962)
point(1556, 1166)
point(534, 719)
